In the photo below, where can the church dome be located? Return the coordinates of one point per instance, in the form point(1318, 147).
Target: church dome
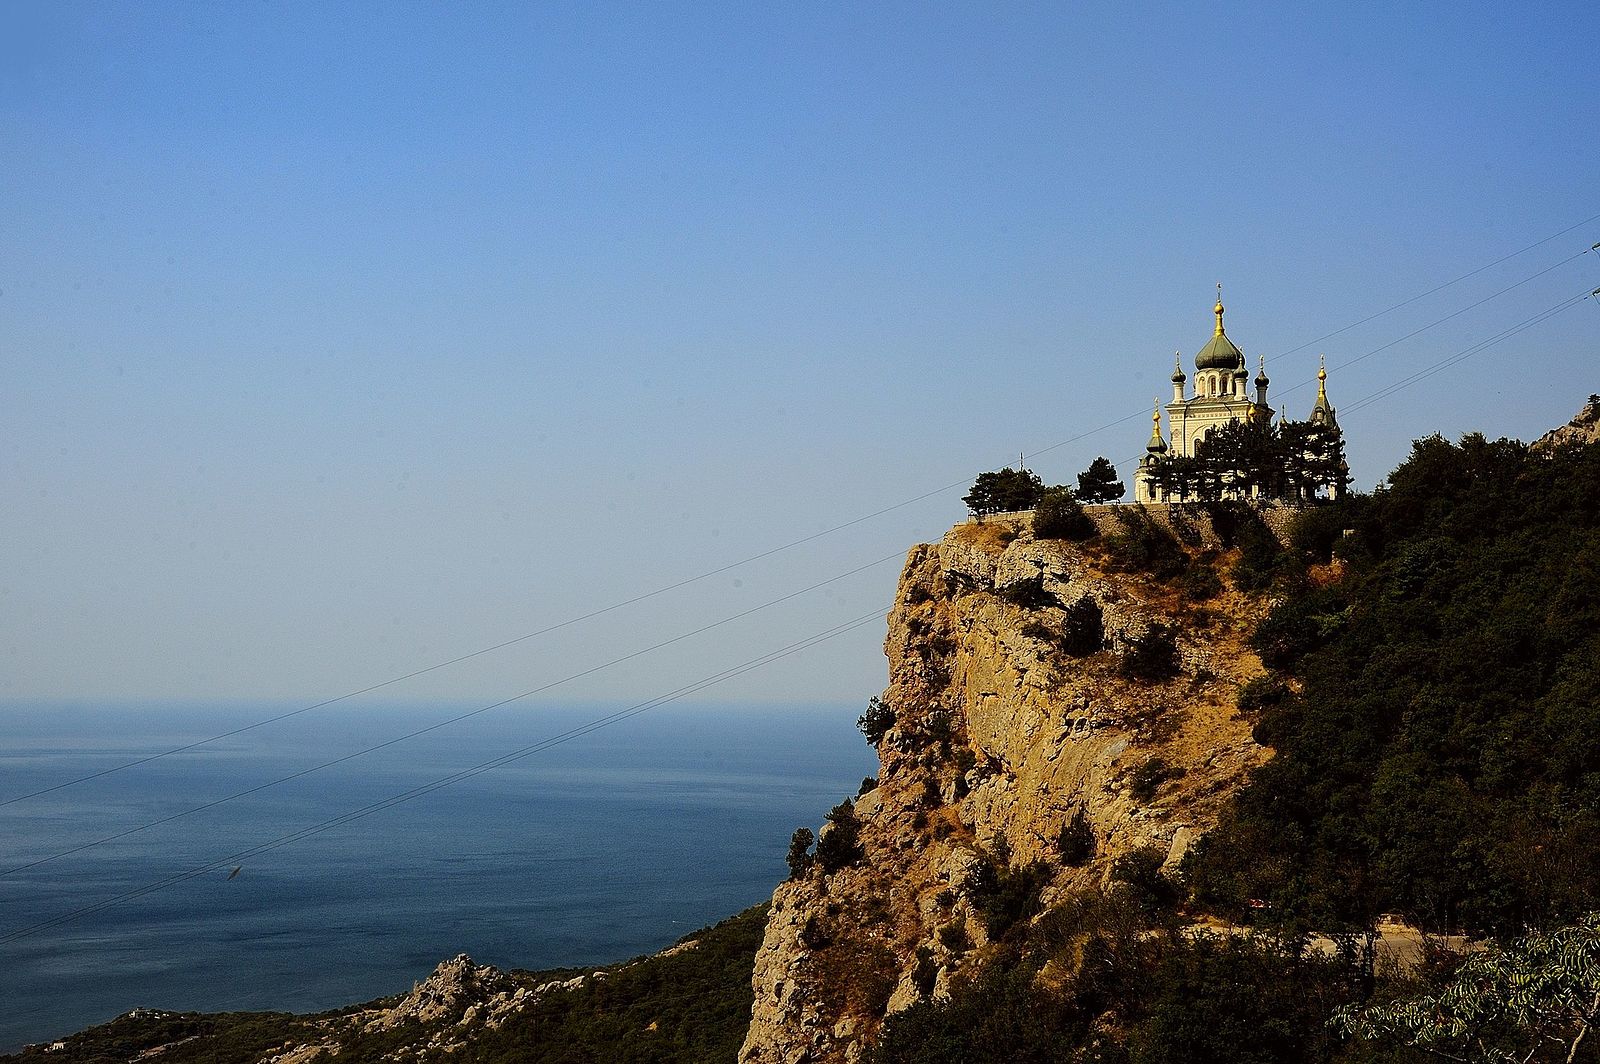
point(1220, 353)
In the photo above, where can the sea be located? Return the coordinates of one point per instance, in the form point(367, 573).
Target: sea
point(610, 844)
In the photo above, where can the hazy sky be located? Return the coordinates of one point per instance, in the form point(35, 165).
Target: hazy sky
point(339, 339)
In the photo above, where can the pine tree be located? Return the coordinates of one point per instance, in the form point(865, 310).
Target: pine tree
point(1099, 482)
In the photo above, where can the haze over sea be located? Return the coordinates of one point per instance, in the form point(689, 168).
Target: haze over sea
point(608, 846)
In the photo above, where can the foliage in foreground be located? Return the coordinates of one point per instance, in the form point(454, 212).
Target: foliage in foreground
point(1532, 1001)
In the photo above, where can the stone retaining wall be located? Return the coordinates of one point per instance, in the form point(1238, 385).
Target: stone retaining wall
point(1277, 516)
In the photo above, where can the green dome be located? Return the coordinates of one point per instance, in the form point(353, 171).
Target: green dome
point(1220, 352)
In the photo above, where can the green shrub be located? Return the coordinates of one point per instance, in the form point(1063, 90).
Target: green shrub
point(1199, 583)
point(1181, 517)
point(1260, 692)
point(953, 937)
point(1060, 516)
point(800, 858)
point(1152, 656)
point(1139, 873)
point(1148, 778)
point(1315, 531)
point(1083, 629)
point(839, 844)
point(1075, 843)
point(876, 721)
point(1298, 625)
point(924, 971)
point(1004, 896)
point(1144, 546)
point(1001, 1018)
point(1262, 559)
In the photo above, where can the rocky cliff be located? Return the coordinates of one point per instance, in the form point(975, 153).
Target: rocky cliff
point(1581, 430)
point(1021, 705)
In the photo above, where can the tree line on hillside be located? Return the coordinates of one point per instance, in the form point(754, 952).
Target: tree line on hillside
point(1010, 490)
point(1255, 457)
point(1247, 458)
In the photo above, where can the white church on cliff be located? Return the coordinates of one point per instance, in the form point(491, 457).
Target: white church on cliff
point(1221, 394)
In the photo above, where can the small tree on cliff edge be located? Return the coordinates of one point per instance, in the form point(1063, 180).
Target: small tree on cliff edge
point(1003, 492)
point(1099, 482)
point(800, 858)
point(840, 841)
point(876, 721)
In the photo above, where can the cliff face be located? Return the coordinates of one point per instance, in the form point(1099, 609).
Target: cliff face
point(1581, 430)
point(1006, 727)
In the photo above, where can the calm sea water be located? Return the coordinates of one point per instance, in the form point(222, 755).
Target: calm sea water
point(606, 847)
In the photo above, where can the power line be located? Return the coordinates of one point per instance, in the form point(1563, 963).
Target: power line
point(458, 718)
point(1447, 317)
point(1441, 288)
point(762, 555)
point(402, 797)
point(1461, 356)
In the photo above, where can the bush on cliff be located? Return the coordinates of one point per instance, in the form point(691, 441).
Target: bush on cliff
point(1151, 656)
point(1083, 629)
point(1075, 842)
point(1144, 546)
point(1002, 894)
point(1000, 1019)
point(1096, 985)
point(1262, 559)
point(800, 858)
point(839, 844)
point(1060, 516)
point(876, 721)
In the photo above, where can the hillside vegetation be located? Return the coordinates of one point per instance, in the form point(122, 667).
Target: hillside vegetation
point(688, 1005)
point(1443, 757)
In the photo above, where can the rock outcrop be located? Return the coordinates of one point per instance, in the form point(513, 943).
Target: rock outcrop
point(1007, 728)
point(1583, 429)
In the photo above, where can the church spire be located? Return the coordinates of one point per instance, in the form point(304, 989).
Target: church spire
point(1322, 412)
point(1217, 310)
point(1157, 445)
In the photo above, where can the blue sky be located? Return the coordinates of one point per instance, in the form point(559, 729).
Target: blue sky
point(340, 339)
